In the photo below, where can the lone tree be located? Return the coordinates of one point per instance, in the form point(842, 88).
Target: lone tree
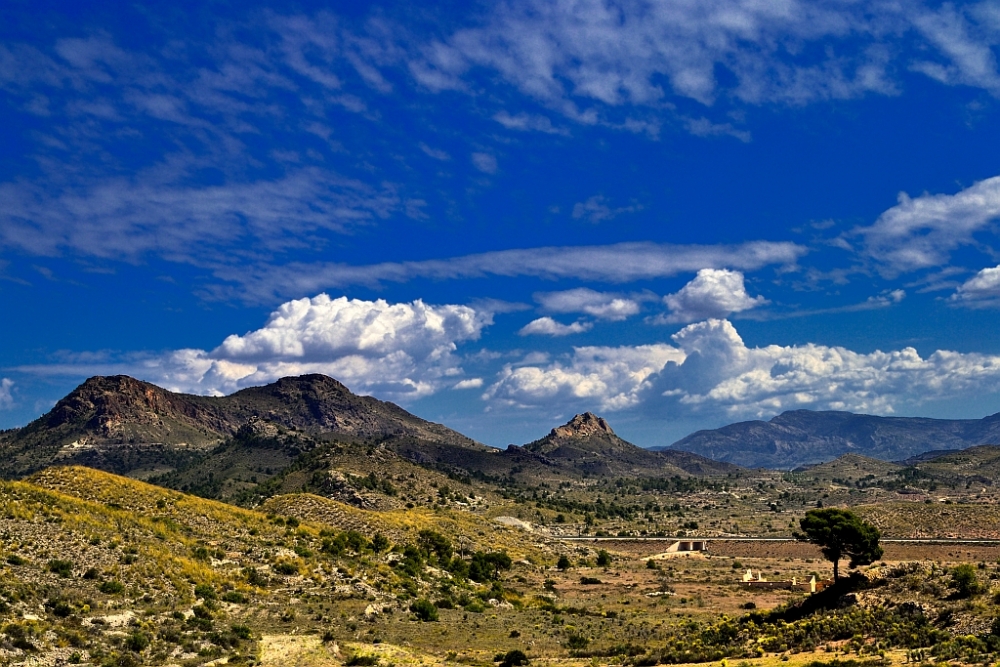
point(841, 533)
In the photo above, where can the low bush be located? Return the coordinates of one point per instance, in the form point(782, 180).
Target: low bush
point(424, 610)
point(64, 568)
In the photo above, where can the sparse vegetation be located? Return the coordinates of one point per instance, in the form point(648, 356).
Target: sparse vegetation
point(160, 576)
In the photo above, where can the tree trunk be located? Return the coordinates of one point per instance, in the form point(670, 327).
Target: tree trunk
point(836, 570)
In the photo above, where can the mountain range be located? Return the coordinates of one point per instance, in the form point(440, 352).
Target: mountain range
point(804, 437)
point(306, 433)
point(126, 426)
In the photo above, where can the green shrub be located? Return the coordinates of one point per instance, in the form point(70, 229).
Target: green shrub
point(111, 587)
point(963, 578)
point(361, 659)
point(235, 597)
point(513, 658)
point(424, 610)
point(62, 609)
point(137, 642)
point(242, 631)
point(64, 568)
point(204, 591)
point(201, 611)
point(254, 577)
point(14, 559)
point(286, 567)
point(380, 543)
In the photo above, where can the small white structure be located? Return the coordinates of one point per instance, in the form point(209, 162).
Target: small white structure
point(687, 545)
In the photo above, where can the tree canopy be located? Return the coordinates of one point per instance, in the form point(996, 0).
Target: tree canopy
point(840, 533)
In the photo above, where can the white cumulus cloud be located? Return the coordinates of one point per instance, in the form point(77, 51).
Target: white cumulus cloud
point(712, 293)
point(980, 291)
point(710, 370)
point(721, 373)
point(546, 326)
point(395, 350)
point(602, 305)
point(607, 378)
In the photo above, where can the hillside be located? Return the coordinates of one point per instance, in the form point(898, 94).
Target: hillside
point(803, 437)
point(588, 445)
point(132, 427)
point(850, 466)
point(102, 569)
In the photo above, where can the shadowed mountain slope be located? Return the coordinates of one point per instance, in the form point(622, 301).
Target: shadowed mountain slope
point(803, 437)
point(125, 425)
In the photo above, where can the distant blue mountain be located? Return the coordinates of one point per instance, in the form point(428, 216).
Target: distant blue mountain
point(802, 437)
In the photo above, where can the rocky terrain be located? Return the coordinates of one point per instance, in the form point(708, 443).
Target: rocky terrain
point(354, 533)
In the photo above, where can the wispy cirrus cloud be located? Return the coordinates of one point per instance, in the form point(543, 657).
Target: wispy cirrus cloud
point(602, 305)
point(126, 219)
point(6, 393)
point(596, 209)
point(629, 66)
point(617, 263)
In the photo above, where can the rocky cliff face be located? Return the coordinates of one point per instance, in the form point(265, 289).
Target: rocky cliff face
point(582, 426)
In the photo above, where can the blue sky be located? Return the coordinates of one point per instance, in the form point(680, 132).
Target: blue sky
point(676, 214)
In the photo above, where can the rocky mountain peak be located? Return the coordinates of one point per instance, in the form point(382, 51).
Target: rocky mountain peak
point(583, 426)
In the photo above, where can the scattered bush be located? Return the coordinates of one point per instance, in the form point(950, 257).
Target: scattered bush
point(380, 543)
point(963, 578)
point(63, 568)
point(204, 591)
point(424, 610)
point(137, 642)
point(286, 567)
point(513, 658)
point(254, 577)
point(111, 587)
point(242, 631)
